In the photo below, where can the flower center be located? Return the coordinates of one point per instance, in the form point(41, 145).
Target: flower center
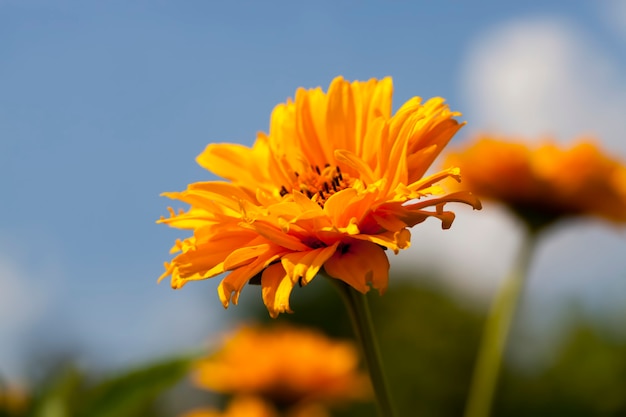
point(319, 184)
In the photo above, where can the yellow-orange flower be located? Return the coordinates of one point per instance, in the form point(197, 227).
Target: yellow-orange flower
point(285, 365)
point(337, 179)
point(545, 183)
point(250, 406)
point(245, 406)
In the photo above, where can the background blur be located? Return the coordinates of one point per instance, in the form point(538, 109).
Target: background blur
point(104, 105)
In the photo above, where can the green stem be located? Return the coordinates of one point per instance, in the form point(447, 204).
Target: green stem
point(495, 334)
point(358, 309)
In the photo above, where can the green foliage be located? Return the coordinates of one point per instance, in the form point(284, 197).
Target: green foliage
point(57, 397)
point(129, 394)
point(587, 378)
point(428, 344)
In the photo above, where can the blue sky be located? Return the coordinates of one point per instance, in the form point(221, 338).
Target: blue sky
point(104, 105)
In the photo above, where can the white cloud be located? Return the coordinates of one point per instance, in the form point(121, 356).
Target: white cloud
point(543, 76)
point(24, 300)
point(17, 301)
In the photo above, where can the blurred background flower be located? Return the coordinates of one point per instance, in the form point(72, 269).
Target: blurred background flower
point(544, 183)
point(294, 371)
point(13, 400)
point(285, 365)
point(244, 406)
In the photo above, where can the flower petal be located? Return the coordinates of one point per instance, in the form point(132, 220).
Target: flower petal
point(278, 237)
point(360, 263)
point(353, 161)
point(276, 288)
point(231, 286)
point(391, 240)
point(237, 163)
point(302, 267)
point(340, 114)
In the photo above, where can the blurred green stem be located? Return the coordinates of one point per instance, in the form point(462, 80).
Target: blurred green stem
point(358, 309)
point(496, 331)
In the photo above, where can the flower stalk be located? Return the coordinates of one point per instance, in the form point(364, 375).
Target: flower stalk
point(358, 308)
point(496, 332)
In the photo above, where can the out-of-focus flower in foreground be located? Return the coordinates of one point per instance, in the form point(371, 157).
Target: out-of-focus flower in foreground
point(337, 179)
point(286, 366)
point(250, 406)
point(544, 183)
point(13, 399)
point(244, 406)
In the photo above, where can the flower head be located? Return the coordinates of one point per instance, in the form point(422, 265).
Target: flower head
point(285, 365)
point(337, 179)
point(545, 183)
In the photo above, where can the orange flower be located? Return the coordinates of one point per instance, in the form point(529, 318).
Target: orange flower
point(337, 180)
point(14, 400)
point(545, 183)
point(249, 406)
point(239, 407)
point(285, 365)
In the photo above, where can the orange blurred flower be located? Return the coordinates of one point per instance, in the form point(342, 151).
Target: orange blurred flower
point(244, 406)
point(545, 183)
point(250, 406)
point(337, 179)
point(13, 399)
point(285, 365)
